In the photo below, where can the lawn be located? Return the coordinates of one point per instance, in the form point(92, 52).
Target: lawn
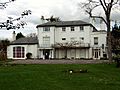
point(54, 77)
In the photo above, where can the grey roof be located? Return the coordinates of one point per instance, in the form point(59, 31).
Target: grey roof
point(64, 23)
point(25, 41)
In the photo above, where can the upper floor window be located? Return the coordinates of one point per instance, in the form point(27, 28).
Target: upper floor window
point(18, 52)
point(72, 29)
point(63, 29)
point(81, 28)
point(46, 40)
point(95, 40)
point(46, 29)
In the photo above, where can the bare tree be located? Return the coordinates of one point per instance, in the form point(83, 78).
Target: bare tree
point(8, 24)
point(107, 6)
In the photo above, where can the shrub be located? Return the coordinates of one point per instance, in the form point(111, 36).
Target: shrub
point(3, 56)
point(29, 55)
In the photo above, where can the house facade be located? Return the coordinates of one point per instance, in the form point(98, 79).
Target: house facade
point(18, 49)
point(70, 40)
point(61, 40)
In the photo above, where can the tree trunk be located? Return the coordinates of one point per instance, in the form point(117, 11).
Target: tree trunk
point(109, 35)
point(109, 40)
point(109, 47)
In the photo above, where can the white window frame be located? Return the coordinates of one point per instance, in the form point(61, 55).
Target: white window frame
point(95, 40)
point(72, 28)
point(81, 28)
point(63, 29)
point(46, 29)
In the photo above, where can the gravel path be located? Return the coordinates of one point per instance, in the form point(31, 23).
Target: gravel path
point(57, 61)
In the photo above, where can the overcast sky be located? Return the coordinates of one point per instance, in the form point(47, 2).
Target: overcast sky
point(65, 9)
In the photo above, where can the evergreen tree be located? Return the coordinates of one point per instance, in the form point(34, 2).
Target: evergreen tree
point(19, 35)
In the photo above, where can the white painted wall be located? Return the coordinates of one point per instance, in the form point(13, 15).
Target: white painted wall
point(28, 48)
point(42, 34)
point(101, 38)
point(56, 34)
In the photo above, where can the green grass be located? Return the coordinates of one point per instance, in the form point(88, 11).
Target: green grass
point(53, 77)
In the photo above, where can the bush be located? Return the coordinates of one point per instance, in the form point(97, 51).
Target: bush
point(29, 55)
point(115, 57)
point(3, 56)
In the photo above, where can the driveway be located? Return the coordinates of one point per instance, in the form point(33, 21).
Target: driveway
point(58, 61)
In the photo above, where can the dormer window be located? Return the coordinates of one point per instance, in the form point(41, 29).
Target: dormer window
point(46, 29)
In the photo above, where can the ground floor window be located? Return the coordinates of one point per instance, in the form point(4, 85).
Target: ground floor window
point(18, 52)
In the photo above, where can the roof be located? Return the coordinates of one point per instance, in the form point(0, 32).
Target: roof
point(65, 23)
point(25, 41)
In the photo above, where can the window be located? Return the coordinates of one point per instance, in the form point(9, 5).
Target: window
point(46, 29)
point(63, 38)
point(64, 29)
point(81, 28)
point(18, 52)
point(95, 40)
point(46, 41)
point(72, 29)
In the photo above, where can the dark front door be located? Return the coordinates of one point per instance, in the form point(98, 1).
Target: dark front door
point(46, 54)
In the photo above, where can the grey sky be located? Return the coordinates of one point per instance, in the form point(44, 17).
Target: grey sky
point(65, 9)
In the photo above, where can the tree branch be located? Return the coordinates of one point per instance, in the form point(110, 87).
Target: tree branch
point(116, 2)
point(3, 5)
point(100, 18)
point(103, 5)
point(9, 23)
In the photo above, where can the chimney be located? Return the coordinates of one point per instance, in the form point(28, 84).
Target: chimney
point(14, 36)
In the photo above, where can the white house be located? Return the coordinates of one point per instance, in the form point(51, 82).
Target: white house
point(62, 40)
point(70, 39)
point(18, 49)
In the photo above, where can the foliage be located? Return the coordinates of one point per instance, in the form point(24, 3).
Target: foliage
point(52, 77)
point(9, 23)
point(107, 6)
point(4, 44)
point(3, 49)
point(115, 39)
point(19, 35)
point(51, 19)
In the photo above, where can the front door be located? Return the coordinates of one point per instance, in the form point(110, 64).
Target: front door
point(46, 54)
